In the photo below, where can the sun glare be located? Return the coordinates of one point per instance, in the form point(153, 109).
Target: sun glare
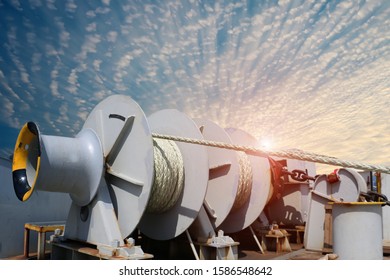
point(266, 143)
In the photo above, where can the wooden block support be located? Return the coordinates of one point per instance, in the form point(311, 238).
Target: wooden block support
point(278, 243)
point(297, 233)
point(41, 228)
point(328, 239)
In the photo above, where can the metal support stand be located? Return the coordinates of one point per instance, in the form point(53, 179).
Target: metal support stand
point(192, 245)
point(216, 248)
point(74, 250)
point(257, 240)
point(41, 228)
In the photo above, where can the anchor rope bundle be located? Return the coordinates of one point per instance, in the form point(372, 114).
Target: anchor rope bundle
point(292, 153)
point(168, 180)
point(245, 181)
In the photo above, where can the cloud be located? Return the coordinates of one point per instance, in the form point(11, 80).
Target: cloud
point(90, 14)
point(112, 36)
point(50, 4)
point(63, 113)
point(89, 46)
point(7, 89)
point(96, 64)
point(70, 6)
point(7, 108)
point(35, 4)
point(64, 38)
point(7, 111)
point(83, 115)
point(102, 10)
point(73, 82)
point(125, 60)
point(54, 83)
point(36, 62)
point(16, 5)
point(91, 27)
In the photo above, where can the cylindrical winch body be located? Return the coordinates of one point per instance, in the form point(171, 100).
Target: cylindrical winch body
point(357, 230)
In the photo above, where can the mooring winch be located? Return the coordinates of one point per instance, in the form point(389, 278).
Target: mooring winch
point(121, 179)
point(164, 175)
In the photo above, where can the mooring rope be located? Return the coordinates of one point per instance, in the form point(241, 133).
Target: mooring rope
point(291, 154)
point(168, 180)
point(244, 182)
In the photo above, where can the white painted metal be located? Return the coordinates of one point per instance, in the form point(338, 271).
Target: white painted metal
point(250, 211)
point(347, 190)
point(223, 171)
point(385, 189)
point(314, 230)
point(293, 207)
point(202, 229)
point(357, 230)
point(128, 148)
point(67, 165)
point(111, 157)
point(175, 221)
point(303, 203)
point(125, 161)
point(100, 226)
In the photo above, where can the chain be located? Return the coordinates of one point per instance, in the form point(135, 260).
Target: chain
point(298, 175)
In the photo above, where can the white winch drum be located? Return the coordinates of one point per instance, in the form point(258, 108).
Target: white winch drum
point(172, 223)
point(261, 185)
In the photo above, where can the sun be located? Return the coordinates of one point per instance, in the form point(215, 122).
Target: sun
point(266, 143)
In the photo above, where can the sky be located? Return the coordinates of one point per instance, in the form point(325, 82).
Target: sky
point(310, 75)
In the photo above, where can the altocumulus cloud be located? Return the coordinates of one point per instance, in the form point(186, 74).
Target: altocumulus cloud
point(307, 74)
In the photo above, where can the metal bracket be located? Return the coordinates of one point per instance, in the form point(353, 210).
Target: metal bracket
point(280, 176)
point(371, 196)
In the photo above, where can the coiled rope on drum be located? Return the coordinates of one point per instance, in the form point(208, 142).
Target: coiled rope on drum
point(245, 181)
point(168, 180)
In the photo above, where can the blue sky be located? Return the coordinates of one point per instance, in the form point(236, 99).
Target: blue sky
point(313, 75)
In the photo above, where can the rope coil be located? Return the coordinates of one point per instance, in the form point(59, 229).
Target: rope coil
point(168, 180)
point(245, 181)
